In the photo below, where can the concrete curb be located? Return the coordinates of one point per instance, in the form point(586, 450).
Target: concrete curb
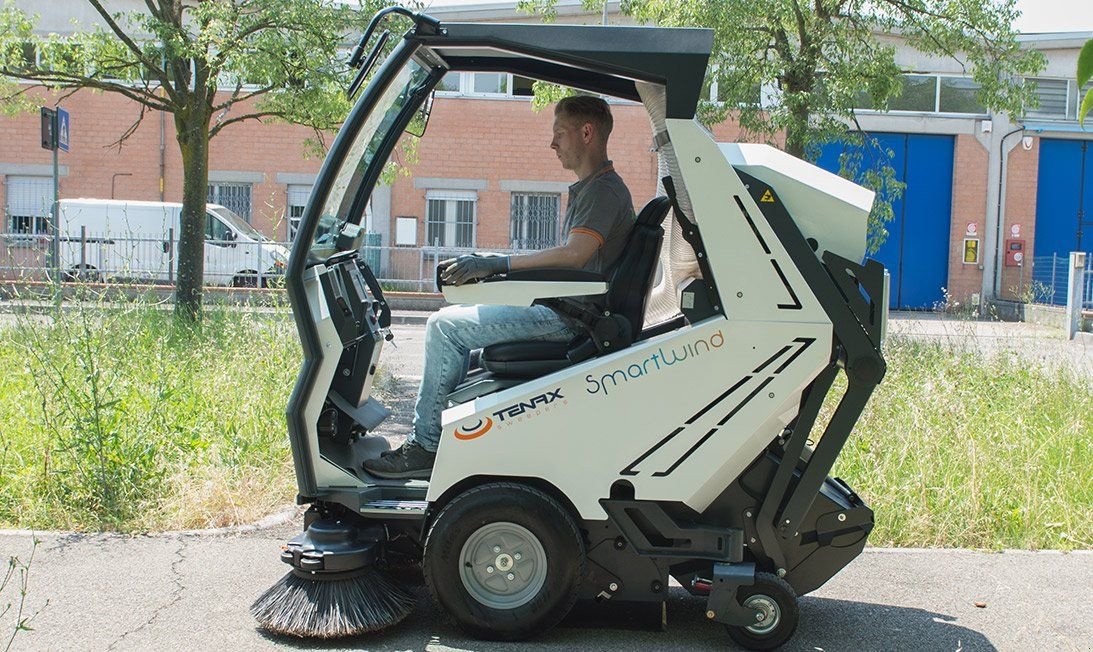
point(276, 519)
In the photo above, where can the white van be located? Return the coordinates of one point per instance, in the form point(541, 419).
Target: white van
point(107, 238)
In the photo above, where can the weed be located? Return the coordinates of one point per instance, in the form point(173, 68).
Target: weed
point(18, 576)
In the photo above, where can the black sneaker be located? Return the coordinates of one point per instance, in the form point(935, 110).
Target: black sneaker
point(409, 461)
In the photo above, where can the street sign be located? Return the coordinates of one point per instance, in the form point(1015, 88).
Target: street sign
point(48, 140)
point(63, 124)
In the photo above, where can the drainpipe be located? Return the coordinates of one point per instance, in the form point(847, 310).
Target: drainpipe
point(999, 252)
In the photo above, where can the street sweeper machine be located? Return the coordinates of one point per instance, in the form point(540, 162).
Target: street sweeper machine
point(676, 438)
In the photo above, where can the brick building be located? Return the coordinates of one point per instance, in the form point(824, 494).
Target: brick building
point(487, 179)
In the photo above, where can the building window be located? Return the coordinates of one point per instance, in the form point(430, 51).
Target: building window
point(1060, 99)
point(449, 218)
point(294, 207)
point(27, 205)
point(958, 95)
point(931, 94)
point(534, 220)
point(489, 84)
point(236, 197)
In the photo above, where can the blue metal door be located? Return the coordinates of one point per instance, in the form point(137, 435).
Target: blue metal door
point(1064, 193)
point(916, 251)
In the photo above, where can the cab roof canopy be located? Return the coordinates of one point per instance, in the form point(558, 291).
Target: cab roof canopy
point(607, 60)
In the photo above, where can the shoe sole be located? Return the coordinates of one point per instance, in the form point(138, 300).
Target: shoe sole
point(417, 474)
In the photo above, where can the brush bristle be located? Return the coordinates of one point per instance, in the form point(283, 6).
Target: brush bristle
point(332, 608)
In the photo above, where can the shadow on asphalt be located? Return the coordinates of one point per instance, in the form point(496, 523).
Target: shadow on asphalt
point(826, 625)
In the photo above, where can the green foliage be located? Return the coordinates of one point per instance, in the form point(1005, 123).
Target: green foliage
point(119, 417)
point(210, 64)
point(824, 59)
point(1085, 73)
point(958, 448)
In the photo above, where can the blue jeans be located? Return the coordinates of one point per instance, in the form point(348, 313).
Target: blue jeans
point(452, 333)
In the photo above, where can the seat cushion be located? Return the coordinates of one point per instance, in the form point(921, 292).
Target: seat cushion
point(525, 359)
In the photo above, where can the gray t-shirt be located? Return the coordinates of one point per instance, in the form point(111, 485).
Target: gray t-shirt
point(600, 206)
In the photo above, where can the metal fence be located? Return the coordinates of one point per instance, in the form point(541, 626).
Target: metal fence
point(1050, 276)
point(89, 257)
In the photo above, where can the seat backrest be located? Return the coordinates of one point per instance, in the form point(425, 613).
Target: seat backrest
point(631, 276)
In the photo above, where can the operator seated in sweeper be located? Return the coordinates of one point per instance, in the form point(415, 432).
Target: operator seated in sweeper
point(598, 220)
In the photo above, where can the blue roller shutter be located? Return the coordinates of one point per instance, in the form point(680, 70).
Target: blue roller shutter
point(916, 251)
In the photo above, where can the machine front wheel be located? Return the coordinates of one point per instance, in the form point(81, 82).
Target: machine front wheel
point(777, 601)
point(504, 560)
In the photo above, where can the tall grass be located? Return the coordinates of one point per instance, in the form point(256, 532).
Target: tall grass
point(121, 418)
point(118, 418)
point(960, 448)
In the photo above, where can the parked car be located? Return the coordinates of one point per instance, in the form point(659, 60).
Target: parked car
point(138, 240)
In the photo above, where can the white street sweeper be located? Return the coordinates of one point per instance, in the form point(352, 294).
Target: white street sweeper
point(674, 438)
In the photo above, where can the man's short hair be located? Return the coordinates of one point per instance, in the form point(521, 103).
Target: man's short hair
point(585, 108)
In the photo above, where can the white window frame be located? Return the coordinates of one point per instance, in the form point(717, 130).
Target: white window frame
point(215, 198)
point(450, 197)
point(466, 86)
point(294, 192)
point(514, 241)
point(39, 218)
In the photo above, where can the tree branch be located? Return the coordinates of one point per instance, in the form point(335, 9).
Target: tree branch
point(129, 42)
point(257, 115)
point(68, 80)
point(130, 131)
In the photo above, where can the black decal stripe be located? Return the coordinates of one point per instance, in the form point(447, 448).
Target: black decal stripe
point(751, 223)
point(747, 398)
point(705, 438)
point(717, 400)
point(796, 305)
point(630, 469)
point(660, 474)
point(806, 342)
point(772, 358)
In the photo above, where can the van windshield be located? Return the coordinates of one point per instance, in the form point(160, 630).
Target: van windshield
point(238, 223)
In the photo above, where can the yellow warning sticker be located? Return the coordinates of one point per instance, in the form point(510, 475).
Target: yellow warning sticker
point(768, 197)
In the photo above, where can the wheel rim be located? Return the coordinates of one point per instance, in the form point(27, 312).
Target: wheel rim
point(768, 608)
point(503, 565)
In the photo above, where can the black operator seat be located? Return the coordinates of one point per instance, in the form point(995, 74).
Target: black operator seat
point(615, 327)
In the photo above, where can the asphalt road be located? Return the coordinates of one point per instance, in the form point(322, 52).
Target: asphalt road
point(192, 592)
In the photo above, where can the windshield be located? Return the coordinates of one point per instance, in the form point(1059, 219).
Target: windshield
point(367, 143)
point(238, 223)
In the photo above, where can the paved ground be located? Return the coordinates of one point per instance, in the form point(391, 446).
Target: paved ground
point(192, 593)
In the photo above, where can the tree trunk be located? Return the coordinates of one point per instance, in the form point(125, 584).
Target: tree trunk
point(193, 140)
point(797, 134)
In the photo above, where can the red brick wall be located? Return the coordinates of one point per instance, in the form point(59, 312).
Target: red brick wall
point(496, 140)
point(99, 119)
point(969, 207)
point(1022, 168)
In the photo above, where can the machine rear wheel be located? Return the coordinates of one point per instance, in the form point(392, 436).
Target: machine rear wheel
point(777, 601)
point(504, 560)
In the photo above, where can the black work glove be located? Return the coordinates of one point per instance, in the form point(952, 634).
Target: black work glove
point(472, 267)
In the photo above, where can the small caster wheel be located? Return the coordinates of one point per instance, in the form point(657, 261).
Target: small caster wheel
point(777, 602)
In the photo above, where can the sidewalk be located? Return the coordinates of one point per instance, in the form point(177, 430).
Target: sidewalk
point(187, 592)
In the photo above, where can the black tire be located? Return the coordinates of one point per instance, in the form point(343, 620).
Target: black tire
point(464, 525)
point(776, 595)
point(246, 279)
point(84, 274)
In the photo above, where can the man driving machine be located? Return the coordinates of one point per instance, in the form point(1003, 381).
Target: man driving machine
point(598, 219)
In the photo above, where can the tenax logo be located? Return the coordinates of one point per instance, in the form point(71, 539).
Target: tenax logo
point(507, 415)
point(474, 430)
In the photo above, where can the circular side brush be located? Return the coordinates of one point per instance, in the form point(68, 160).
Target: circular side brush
point(332, 605)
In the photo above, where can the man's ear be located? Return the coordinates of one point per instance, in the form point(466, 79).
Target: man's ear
point(588, 132)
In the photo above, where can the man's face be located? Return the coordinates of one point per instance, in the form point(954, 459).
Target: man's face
point(571, 140)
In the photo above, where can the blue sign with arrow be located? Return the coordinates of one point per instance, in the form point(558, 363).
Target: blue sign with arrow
point(63, 129)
